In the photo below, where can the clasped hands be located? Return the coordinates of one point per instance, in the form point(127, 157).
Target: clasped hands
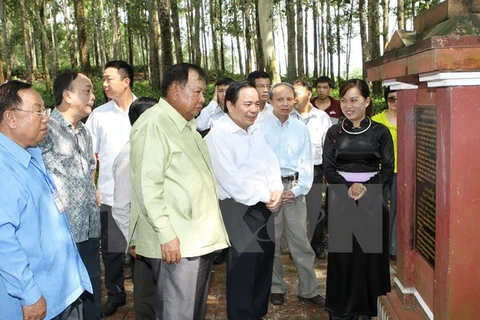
point(357, 191)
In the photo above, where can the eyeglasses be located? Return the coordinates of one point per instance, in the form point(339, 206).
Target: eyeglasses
point(42, 114)
point(392, 99)
point(263, 86)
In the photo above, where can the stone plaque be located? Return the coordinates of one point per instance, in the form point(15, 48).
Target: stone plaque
point(425, 174)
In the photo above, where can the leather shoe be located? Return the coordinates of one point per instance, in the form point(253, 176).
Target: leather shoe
point(393, 257)
point(316, 301)
point(320, 254)
point(277, 298)
point(110, 308)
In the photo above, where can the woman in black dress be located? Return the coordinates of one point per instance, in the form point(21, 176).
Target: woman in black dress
point(358, 162)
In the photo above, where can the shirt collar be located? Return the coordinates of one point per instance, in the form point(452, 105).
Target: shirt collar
point(180, 122)
point(233, 127)
point(16, 151)
point(58, 117)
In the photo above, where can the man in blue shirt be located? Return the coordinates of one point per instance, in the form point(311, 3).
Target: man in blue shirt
point(41, 272)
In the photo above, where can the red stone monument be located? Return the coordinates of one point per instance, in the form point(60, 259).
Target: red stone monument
point(436, 70)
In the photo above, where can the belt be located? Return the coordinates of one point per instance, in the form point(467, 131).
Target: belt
point(291, 177)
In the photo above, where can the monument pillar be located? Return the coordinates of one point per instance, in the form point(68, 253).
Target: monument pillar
point(436, 70)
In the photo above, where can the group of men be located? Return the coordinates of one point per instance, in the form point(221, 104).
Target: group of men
point(256, 175)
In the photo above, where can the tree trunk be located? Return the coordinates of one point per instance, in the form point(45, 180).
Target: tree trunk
point(349, 39)
point(260, 55)
point(176, 31)
point(82, 37)
point(306, 42)
point(221, 31)
point(363, 36)
point(154, 45)
point(400, 15)
point(291, 49)
point(26, 42)
point(330, 44)
point(6, 46)
point(70, 43)
point(315, 38)
point(323, 50)
point(265, 11)
point(213, 27)
point(51, 13)
point(166, 36)
point(300, 45)
point(117, 41)
point(386, 13)
point(338, 40)
point(203, 29)
point(45, 46)
point(197, 58)
point(374, 37)
point(248, 36)
point(238, 29)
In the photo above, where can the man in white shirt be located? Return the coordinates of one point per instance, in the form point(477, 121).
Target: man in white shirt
point(249, 188)
point(110, 128)
point(261, 81)
point(214, 111)
point(290, 140)
point(317, 122)
point(144, 286)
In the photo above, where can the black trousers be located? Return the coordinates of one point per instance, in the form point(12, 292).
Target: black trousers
point(91, 259)
point(319, 231)
point(250, 259)
point(113, 253)
point(143, 289)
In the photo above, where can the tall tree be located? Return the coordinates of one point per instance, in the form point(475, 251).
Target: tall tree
point(385, 21)
point(315, 38)
point(166, 35)
point(117, 34)
point(197, 59)
point(238, 31)
point(291, 35)
point(154, 45)
point(52, 17)
point(44, 44)
point(374, 37)
point(82, 37)
point(260, 55)
point(265, 12)
point(300, 45)
point(70, 43)
point(363, 36)
point(306, 49)
point(6, 46)
point(213, 27)
point(330, 45)
point(176, 31)
point(248, 36)
point(323, 46)
point(338, 41)
point(26, 42)
point(401, 15)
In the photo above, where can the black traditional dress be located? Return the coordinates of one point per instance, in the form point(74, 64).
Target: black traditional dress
point(355, 278)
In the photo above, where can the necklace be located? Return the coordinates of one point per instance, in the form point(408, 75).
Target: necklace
point(356, 132)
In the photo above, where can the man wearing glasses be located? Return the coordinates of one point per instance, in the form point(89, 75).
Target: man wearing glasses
point(68, 154)
point(36, 245)
point(261, 81)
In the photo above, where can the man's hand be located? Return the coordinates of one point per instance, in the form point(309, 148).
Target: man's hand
point(171, 251)
point(132, 251)
point(36, 311)
point(275, 201)
point(97, 198)
point(215, 95)
point(357, 191)
point(288, 197)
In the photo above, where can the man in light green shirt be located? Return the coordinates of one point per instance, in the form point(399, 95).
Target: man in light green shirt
point(176, 222)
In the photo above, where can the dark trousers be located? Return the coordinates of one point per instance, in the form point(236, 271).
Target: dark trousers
point(72, 312)
point(314, 201)
point(143, 289)
point(90, 255)
point(249, 265)
point(113, 253)
point(390, 193)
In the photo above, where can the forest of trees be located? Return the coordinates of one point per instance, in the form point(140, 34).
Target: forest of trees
point(43, 37)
